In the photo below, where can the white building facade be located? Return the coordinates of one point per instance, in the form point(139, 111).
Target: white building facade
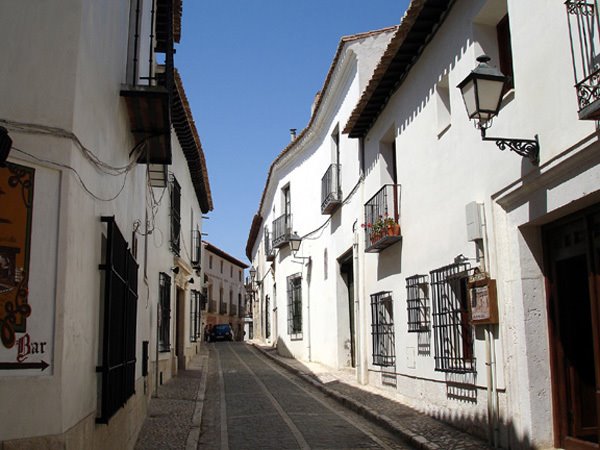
point(101, 201)
point(225, 289)
point(293, 295)
point(482, 308)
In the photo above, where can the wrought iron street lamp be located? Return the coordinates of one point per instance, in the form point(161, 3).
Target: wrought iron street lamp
point(482, 93)
point(252, 273)
point(295, 242)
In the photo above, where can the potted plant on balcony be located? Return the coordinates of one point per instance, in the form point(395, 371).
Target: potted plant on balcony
point(391, 227)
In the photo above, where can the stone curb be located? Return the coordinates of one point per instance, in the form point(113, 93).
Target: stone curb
point(194, 433)
point(418, 441)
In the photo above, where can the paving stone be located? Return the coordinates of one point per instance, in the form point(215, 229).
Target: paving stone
point(421, 430)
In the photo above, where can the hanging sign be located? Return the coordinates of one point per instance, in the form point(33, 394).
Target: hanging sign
point(483, 303)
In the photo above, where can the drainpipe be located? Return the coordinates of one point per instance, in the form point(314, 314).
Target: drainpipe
point(490, 354)
point(308, 270)
point(360, 311)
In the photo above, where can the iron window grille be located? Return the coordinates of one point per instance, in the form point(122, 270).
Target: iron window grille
point(331, 193)
point(195, 311)
point(175, 216)
point(382, 329)
point(267, 317)
point(119, 317)
point(453, 334)
point(382, 219)
point(584, 33)
point(417, 303)
point(164, 328)
point(196, 248)
point(294, 291)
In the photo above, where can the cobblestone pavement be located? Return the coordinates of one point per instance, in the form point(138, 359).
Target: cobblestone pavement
point(173, 420)
point(252, 403)
point(420, 430)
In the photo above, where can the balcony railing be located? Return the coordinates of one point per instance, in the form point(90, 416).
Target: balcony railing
point(223, 308)
point(331, 195)
point(232, 310)
point(269, 252)
point(282, 230)
point(212, 306)
point(382, 219)
point(149, 85)
point(584, 29)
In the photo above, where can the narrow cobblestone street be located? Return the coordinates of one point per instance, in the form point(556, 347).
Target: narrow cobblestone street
point(237, 396)
point(252, 403)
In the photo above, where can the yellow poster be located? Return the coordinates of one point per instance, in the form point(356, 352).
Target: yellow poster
point(16, 200)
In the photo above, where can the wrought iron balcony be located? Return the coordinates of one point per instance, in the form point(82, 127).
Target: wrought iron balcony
point(382, 219)
point(269, 251)
point(584, 29)
point(232, 310)
point(282, 230)
point(149, 86)
point(212, 306)
point(223, 308)
point(331, 192)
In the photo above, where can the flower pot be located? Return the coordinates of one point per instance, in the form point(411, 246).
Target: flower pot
point(393, 230)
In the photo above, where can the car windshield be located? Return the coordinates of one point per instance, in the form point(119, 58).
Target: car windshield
point(222, 328)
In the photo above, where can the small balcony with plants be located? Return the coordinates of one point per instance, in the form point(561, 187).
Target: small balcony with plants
point(282, 230)
point(331, 193)
point(382, 219)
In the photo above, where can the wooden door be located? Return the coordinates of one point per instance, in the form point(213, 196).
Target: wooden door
point(572, 267)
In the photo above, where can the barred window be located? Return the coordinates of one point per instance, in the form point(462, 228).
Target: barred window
point(382, 329)
point(294, 291)
point(119, 317)
point(196, 249)
point(195, 309)
point(175, 215)
point(417, 303)
point(164, 328)
point(453, 333)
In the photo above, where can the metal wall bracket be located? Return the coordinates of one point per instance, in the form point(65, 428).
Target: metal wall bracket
point(524, 147)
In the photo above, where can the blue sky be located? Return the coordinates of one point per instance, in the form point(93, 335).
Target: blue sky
point(251, 69)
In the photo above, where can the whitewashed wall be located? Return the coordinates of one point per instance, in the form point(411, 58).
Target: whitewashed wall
point(441, 171)
point(325, 317)
point(68, 66)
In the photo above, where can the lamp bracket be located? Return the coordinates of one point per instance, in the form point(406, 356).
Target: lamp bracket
point(524, 147)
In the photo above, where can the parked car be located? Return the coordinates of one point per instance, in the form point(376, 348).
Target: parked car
point(221, 332)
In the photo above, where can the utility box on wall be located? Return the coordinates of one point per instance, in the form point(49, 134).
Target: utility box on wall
point(474, 222)
point(483, 301)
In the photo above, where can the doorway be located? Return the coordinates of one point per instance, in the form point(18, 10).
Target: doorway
point(572, 249)
point(347, 273)
point(179, 330)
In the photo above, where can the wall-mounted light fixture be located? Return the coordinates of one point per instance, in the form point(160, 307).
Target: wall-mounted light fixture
point(295, 241)
point(5, 145)
point(482, 93)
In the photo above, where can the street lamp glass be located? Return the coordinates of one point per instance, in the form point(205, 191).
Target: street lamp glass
point(252, 272)
point(482, 91)
point(295, 242)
